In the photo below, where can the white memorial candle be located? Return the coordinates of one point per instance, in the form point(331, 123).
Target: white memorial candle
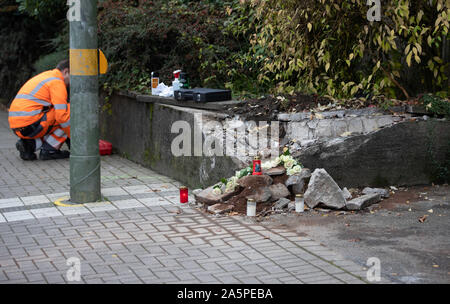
point(299, 203)
point(251, 207)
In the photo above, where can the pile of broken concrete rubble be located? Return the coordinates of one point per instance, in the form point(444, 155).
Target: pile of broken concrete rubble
point(275, 191)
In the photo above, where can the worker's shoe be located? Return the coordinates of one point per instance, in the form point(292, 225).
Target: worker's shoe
point(26, 147)
point(53, 154)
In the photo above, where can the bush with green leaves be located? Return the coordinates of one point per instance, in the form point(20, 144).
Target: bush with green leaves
point(164, 36)
point(329, 46)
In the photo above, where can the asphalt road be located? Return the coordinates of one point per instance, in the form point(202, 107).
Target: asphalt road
point(409, 251)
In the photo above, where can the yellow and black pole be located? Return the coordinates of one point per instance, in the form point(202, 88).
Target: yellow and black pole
point(84, 108)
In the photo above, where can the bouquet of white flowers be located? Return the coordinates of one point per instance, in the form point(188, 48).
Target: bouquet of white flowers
point(286, 160)
point(290, 164)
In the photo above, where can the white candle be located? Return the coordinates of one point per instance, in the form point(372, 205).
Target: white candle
point(251, 207)
point(299, 203)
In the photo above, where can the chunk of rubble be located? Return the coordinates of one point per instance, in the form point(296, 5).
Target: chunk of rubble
point(261, 195)
point(305, 173)
point(255, 181)
point(208, 197)
point(364, 201)
point(298, 181)
point(197, 191)
point(322, 189)
point(279, 191)
point(347, 194)
point(280, 170)
point(384, 193)
point(220, 208)
point(281, 204)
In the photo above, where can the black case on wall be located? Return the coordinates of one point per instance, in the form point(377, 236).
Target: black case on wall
point(202, 95)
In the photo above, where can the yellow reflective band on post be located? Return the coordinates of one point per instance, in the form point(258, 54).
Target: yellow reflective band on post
point(84, 62)
point(103, 63)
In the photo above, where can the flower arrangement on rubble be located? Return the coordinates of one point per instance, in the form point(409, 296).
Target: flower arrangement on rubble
point(290, 164)
point(228, 185)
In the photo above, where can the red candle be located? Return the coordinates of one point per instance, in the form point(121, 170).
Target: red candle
point(183, 195)
point(257, 166)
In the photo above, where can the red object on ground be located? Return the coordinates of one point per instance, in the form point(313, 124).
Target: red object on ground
point(183, 195)
point(105, 147)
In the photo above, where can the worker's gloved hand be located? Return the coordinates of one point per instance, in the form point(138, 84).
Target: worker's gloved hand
point(68, 142)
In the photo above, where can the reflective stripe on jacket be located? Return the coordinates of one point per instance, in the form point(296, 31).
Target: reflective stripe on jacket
point(44, 90)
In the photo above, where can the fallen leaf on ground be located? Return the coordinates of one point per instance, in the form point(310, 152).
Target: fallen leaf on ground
point(423, 218)
point(430, 211)
point(436, 266)
point(355, 240)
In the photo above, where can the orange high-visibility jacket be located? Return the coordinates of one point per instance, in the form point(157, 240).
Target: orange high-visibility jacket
point(42, 92)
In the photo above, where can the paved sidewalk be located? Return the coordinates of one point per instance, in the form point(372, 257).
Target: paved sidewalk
point(142, 234)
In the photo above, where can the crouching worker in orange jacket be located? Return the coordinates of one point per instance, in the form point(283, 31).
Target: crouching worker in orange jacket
point(40, 114)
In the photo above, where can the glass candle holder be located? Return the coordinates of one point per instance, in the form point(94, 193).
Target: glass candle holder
point(299, 203)
point(251, 207)
point(184, 195)
point(257, 166)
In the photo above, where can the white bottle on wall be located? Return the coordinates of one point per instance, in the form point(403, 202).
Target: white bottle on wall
point(176, 84)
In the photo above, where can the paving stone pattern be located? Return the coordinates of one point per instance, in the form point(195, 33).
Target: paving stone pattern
point(140, 233)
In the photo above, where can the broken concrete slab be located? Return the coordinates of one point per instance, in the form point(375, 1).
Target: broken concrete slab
point(208, 197)
point(220, 208)
point(298, 181)
point(298, 188)
point(384, 193)
point(197, 191)
point(255, 181)
point(322, 189)
point(364, 201)
point(280, 170)
point(278, 191)
point(261, 195)
point(305, 173)
point(281, 204)
point(347, 194)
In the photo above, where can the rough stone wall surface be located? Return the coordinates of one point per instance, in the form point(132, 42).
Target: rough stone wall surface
point(382, 149)
point(396, 155)
point(331, 128)
point(141, 132)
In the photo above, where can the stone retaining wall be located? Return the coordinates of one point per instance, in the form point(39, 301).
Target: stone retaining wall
point(364, 147)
